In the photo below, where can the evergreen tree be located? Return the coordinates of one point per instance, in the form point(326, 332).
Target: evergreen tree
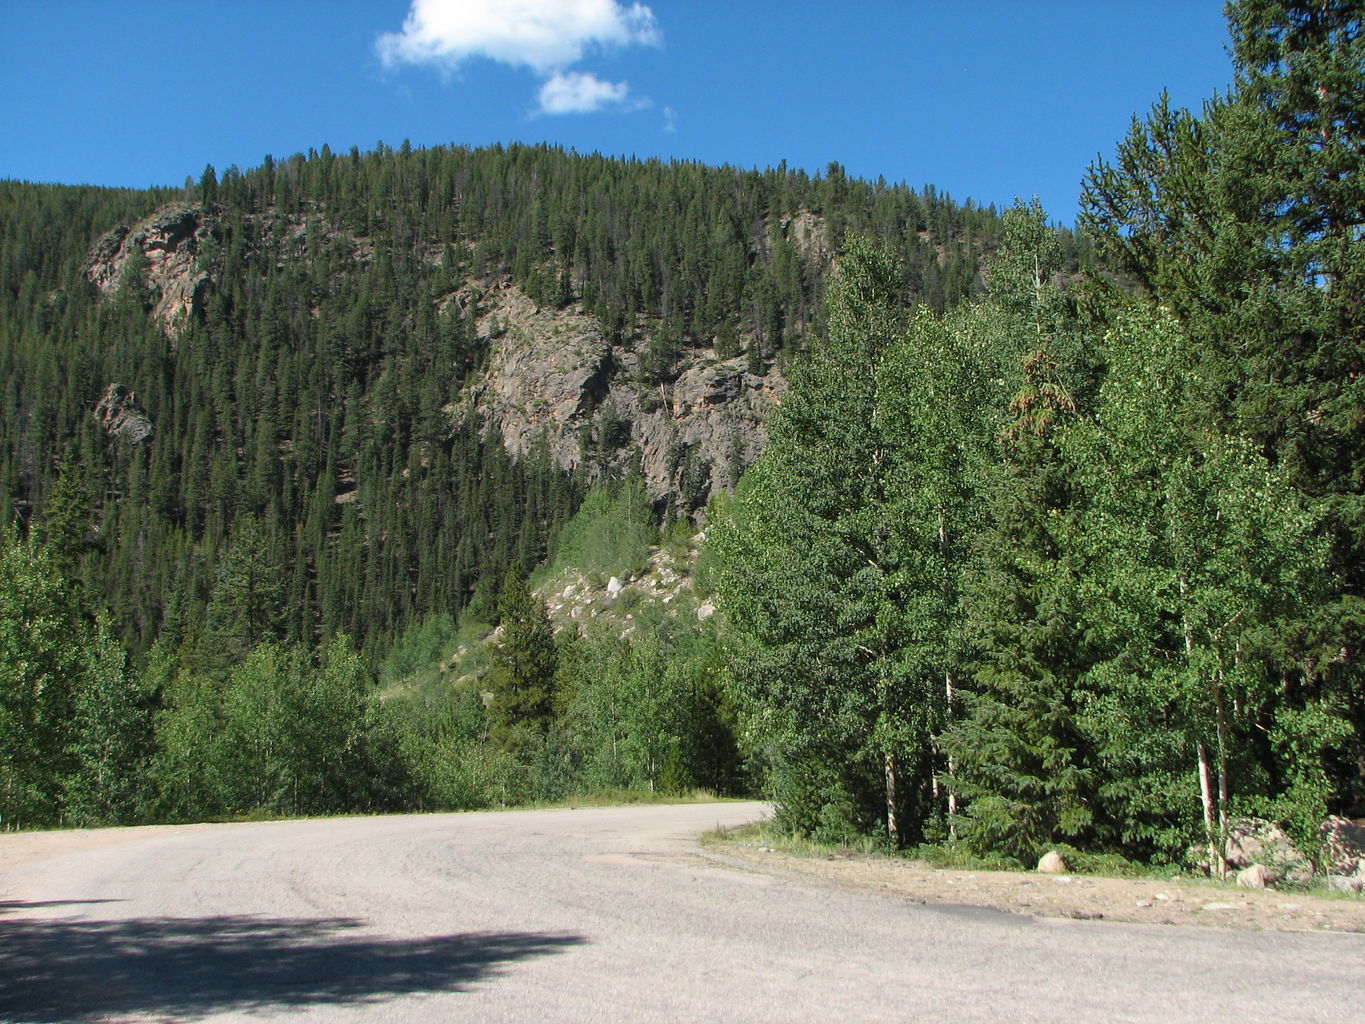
point(1020, 760)
point(521, 667)
point(1245, 221)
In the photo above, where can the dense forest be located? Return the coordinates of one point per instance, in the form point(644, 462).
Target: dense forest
point(1081, 565)
point(1058, 537)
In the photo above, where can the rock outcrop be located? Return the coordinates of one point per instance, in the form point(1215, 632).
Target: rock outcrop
point(165, 249)
point(122, 416)
point(1343, 846)
point(552, 377)
point(1252, 841)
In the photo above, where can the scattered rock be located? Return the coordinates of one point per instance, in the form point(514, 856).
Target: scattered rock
point(1345, 883)
point(1053, 863)
point(1218, 906)
point(1257, 876)
point(1254, 841)
point(705, 610)
point(1144, 903)
point(614, 586)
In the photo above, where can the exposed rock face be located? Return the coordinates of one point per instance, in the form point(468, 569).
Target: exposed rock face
point(809, 232)
point(168, 244)
point(122, 416)
point(552, 375)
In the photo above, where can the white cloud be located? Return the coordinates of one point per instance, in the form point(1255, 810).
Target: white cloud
point(544, 35)
point(578, 92)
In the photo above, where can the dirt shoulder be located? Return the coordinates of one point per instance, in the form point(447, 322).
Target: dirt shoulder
point(1182, 901)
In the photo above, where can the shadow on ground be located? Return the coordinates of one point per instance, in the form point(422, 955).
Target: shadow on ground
point(73, 970)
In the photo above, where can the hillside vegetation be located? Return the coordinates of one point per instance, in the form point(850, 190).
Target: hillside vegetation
point(371, 481)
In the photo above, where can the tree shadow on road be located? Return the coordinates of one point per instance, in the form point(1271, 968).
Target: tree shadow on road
point(74, 970)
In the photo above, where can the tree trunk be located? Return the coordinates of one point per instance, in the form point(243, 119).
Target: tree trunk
point(893, 829)
point(1217, 865)
point(952, 797)
point(1221, 711)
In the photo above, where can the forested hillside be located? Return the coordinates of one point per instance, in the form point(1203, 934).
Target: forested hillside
point(264, 410)
point(289, 335)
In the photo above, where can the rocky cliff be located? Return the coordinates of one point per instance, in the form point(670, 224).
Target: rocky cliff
point(549, 375)
point(164, 248)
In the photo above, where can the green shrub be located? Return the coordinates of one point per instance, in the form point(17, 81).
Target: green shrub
point(609, 536)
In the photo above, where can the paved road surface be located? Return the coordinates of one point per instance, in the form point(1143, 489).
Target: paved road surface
point(578, 915)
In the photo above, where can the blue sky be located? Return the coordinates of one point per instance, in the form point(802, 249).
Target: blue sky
point(988, 99)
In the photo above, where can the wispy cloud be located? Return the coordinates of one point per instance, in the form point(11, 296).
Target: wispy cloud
point(545, 36)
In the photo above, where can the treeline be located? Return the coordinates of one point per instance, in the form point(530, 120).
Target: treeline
point(709, 251)
point(1070, 566)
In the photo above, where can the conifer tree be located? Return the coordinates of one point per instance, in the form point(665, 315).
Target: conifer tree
point(522, 667)
point(1020, 762)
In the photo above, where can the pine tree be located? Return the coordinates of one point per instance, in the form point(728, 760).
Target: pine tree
point(1021, 761)
point(522, 667)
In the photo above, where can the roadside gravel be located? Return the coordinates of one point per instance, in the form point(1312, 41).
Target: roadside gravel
point(1179, 901)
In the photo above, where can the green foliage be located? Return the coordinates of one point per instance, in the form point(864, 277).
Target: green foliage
point(805, 569)
point(39, 666)
point(521, 668)
point(416, 656)
point(610, 535)
point(1019, 761)
point(1201, 556)
point(648, 712)
point(281, 733)
point(1244, 220)
point(73, 727)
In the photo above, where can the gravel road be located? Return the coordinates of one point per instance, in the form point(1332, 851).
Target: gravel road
point(578, 915)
